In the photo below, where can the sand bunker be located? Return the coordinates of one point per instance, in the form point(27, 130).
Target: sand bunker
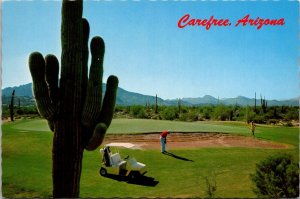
point(194, 140)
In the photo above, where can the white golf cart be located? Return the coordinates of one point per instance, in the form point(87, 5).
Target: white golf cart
point(112, 163)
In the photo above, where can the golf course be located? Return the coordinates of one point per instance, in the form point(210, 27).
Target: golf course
point(203, 153)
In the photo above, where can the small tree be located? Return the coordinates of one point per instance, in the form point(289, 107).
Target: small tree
point(277, 177)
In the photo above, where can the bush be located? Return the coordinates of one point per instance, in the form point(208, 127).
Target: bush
point(136, 110)
point(188, 117)
point(272, 121)
point(260, 119)
point(141, 114)
point(220, 113)
point(292, 114)
point(169, 113)
point(288, 124)
point(277, 177)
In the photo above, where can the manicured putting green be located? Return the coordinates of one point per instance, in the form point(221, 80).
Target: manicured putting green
point(120, 126)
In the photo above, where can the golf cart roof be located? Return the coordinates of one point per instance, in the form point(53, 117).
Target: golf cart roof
point(121, 144)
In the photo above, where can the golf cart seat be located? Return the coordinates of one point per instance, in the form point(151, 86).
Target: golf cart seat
point(116, 160)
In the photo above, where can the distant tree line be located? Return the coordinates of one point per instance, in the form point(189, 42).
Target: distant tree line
point(269, 115)
point(19, 111)
point(262, 114)
point(11, 106)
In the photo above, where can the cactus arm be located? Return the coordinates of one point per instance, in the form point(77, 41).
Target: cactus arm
point(40, 89)
point(97, 138)
point(85, 55)
point(51, 125)
point(109, 100)
point(106, 113)
point(92, 105)
point(51, 73)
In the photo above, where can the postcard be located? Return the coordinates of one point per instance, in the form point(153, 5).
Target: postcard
point(150, 99)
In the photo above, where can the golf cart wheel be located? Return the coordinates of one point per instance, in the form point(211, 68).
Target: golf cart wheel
point(133, 175)
point(103, 172)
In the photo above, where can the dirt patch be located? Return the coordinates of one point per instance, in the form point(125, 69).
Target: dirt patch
point(194, 140)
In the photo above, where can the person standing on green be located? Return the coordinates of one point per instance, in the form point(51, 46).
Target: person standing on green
point(163, 140)
point(253, 127)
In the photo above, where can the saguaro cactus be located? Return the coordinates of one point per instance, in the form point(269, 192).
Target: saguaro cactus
point(73, 106)
point(11, 106)
point(255, 102)
point(156, 106)
point(179, 105)
point(263, 103)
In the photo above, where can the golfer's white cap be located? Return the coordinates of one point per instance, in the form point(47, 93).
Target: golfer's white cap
point(168, 131)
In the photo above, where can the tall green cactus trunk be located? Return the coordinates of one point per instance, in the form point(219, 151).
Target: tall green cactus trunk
point(156, 106)
point(179, 106)
point(74, 108)
point(255, 102)
point(11, 106)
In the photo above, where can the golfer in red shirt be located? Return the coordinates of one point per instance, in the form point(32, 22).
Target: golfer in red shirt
point(163, 140)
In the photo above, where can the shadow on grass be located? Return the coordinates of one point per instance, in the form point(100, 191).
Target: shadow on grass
point(142, 180)
point(177, 157)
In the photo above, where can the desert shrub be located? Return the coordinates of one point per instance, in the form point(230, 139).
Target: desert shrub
point(184, 109)
point(169, 113)
point(192, 116)
point(5, 111)
point(189, 117)
point(272, 121)
point(259, 119)
point(207, 111)
point(288, 124)
point(135, 110)
point(29, 110)
point(183, 117)
point(141, 114)
point(119, 108)
point(250, 115)
point(20, 112)
point(220, 113)
point(292, 114)
point(277, 177)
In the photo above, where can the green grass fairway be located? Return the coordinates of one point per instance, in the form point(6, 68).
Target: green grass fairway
point(26, 161)
point(119, 126)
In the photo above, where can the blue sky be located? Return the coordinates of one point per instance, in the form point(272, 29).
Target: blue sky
point(151, 55)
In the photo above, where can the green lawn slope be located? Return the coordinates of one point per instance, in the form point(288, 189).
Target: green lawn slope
point(26, 161)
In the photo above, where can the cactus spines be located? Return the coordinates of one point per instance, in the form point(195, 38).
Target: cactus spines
point(51, 76)
point(37, 69)
point(106, 114)
point(73, 104)
point(92, 106)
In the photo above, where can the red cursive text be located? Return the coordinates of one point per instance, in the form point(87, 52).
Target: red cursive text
point(259, 22)
point(186, 21)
